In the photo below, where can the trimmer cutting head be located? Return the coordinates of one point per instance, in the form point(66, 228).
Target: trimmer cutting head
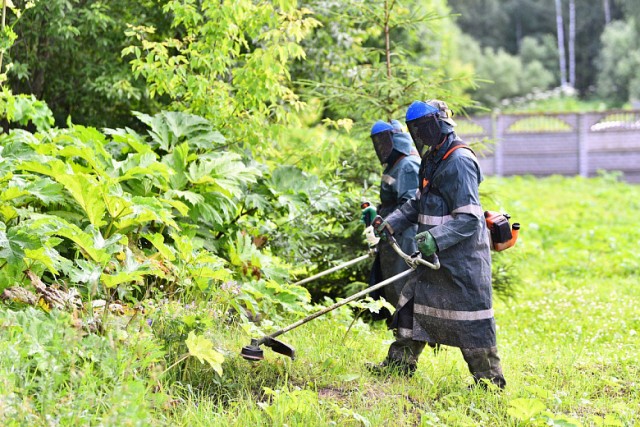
point(253, 352)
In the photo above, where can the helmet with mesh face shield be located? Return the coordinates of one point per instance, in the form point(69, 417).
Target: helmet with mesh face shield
point(428, 122)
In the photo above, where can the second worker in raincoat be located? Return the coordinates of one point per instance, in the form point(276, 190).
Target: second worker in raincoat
point(399, 183)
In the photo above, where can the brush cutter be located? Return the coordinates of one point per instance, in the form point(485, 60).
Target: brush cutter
point(337, 267)
point(253, 351)
point(367, 218)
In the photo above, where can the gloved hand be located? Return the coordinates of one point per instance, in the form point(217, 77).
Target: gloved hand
point(426, 243)
point(381, 227)
point(368, 214)
point(370, 235)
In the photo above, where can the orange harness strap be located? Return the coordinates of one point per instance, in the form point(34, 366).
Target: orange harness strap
point(452, 149)
point(425, 181)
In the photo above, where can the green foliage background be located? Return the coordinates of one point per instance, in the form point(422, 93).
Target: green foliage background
point(169, 168)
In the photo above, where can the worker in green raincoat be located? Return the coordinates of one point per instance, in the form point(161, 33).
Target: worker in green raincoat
point(399, 183)
point(453, 305)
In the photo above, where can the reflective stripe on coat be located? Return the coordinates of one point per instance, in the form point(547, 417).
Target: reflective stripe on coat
point(452, 305)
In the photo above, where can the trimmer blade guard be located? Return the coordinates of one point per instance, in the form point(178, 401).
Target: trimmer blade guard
point(280, 347)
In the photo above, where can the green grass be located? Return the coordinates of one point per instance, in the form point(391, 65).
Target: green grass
point(569, 344)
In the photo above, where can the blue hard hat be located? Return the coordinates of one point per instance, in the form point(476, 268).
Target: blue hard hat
point(419, 109)
point(381, 126)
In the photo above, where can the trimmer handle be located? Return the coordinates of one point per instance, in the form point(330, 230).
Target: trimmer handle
point(432, 261)
point(386, 233)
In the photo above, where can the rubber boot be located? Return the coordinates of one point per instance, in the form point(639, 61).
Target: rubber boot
point(484, 365)
point(391, 367)
point(402, 358)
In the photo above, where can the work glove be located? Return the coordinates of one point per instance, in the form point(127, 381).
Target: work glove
point(381, 228)
point(368, 214)
point(370, 235)
point(426, 244)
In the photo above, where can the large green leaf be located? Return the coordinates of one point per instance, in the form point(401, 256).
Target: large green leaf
point(224, 172)
point(188, 196)
point(12, 193)
point(86, 190)
point(129, 271)
point(146, 209)
point(182, 208)
point(203, 350)
point(7, 213)
point(157, 240)
point(45, 165)
point(52, 225)
point(170, 128)
point(49, 257)
point(87, 272)
point(90, 142)
point(143, 165)
point(130, 138)
point(46, 191)
point(216, 210)
point(86, 154)
point(14, 242)
point(18, 144)
point(111, 245)
point(117, 203)
point(178, 161)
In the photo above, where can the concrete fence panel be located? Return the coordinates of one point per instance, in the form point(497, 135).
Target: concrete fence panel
point(566, 144)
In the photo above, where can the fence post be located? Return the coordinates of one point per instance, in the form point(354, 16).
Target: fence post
point(583, 146)
point(496, 134)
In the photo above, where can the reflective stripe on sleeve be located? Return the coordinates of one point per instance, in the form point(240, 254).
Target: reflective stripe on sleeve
point(433, 220)
point(388, 179)
point(475, 210)
point(453, 314)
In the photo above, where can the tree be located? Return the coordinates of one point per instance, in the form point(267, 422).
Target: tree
point(73, 59)
point(606, 5)
point(228, 62)
point(618, 63)
point(507, 23)
point(489, 21)
point(543, 49)
point(560, 34)
point(572, 43)
point(502, 75)
point(397, 53)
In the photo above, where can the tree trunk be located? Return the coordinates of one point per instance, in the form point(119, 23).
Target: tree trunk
point(387, 44)
point(4, 17)
point(561, 54)
point(607, 11)
point(572, 42)
point(387, 48)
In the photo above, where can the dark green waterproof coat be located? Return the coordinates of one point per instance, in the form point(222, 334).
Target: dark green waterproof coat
point(398, 184)
point(452, 305)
